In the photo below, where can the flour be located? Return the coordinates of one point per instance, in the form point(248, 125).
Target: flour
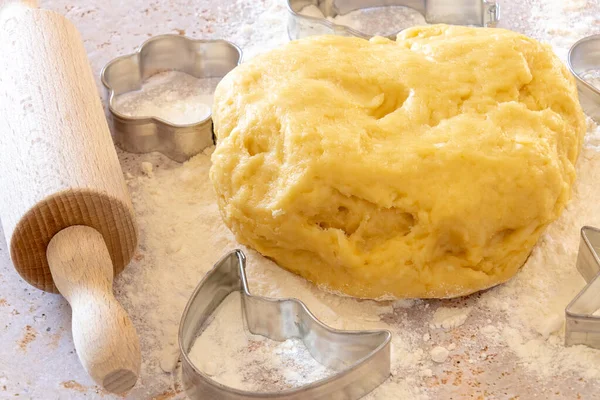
point(147, 168)
point(173, 96)
point(439, 354)
point(255, 28)
point(561, 23)
point(592, 77)
point(239, 359)
point(510, 342)
point(381, 21)
point(449, 318)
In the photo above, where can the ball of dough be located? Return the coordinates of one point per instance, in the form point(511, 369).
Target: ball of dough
point(426, 167)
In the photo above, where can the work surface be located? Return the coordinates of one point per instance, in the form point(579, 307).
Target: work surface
point(503, 343)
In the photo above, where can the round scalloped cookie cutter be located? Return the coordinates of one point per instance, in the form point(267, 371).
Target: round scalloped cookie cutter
point(361, 359)
point(484, 13)
point(198, 58)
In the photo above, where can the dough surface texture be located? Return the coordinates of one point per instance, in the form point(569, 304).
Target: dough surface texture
point(426, 167)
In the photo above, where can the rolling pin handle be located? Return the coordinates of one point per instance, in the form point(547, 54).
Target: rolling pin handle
point(104, 337)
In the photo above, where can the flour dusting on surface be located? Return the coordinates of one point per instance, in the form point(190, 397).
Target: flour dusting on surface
point(439, 354)
point(449, 318)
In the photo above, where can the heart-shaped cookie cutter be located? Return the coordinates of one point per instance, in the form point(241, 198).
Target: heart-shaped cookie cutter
point(454, 12)
point(199, 58)
point(362, 358)
point(584, 56)
point(582, 324)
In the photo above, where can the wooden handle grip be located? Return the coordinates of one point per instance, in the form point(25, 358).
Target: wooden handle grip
point(105, 339)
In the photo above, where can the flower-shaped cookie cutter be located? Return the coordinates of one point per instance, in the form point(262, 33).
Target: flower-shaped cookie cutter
point(584, 56)
point(582, 323)
point(361, 358)
point(199, 58)
point(454, 12)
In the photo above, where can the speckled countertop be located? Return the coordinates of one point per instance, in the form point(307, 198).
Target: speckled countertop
point(37, 357)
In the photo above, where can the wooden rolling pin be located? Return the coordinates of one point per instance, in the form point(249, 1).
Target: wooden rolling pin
point(64, 204)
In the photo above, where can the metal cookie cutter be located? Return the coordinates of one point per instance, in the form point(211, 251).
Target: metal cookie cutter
point(199, 58)
point(582, 323)
point(456, 12)
point(584, 55)
point(361, 358)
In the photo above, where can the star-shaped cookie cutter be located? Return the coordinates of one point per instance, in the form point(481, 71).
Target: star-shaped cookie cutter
point(582, 323)
point(361, 359)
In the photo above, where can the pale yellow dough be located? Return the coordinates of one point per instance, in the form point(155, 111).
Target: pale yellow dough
point(426, 167)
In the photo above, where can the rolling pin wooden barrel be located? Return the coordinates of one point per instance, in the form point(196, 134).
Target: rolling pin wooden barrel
point(64, 205)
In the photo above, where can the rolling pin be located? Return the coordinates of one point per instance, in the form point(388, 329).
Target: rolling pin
point(64, 205)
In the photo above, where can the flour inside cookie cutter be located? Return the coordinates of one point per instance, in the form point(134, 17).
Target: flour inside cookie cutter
point(454, 12)
point(582, 323)
point(584, 56)
point(361, 358)
point(199, 58)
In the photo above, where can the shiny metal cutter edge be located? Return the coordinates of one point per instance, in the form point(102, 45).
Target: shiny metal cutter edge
point(454, 12)
point(583, 56)
point(582, 326)
point(362, 358)
point(199, 58)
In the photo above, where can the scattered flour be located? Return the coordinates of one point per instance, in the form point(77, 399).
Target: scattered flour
point(439, 354)
point(239, 359)
point(592, 77)
point(169, 358)
point(147, 168)
point(173, 96)
point(449, 318)
point(551, 324)
point(381, 21)
point(561, 23)
point(403, 303)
